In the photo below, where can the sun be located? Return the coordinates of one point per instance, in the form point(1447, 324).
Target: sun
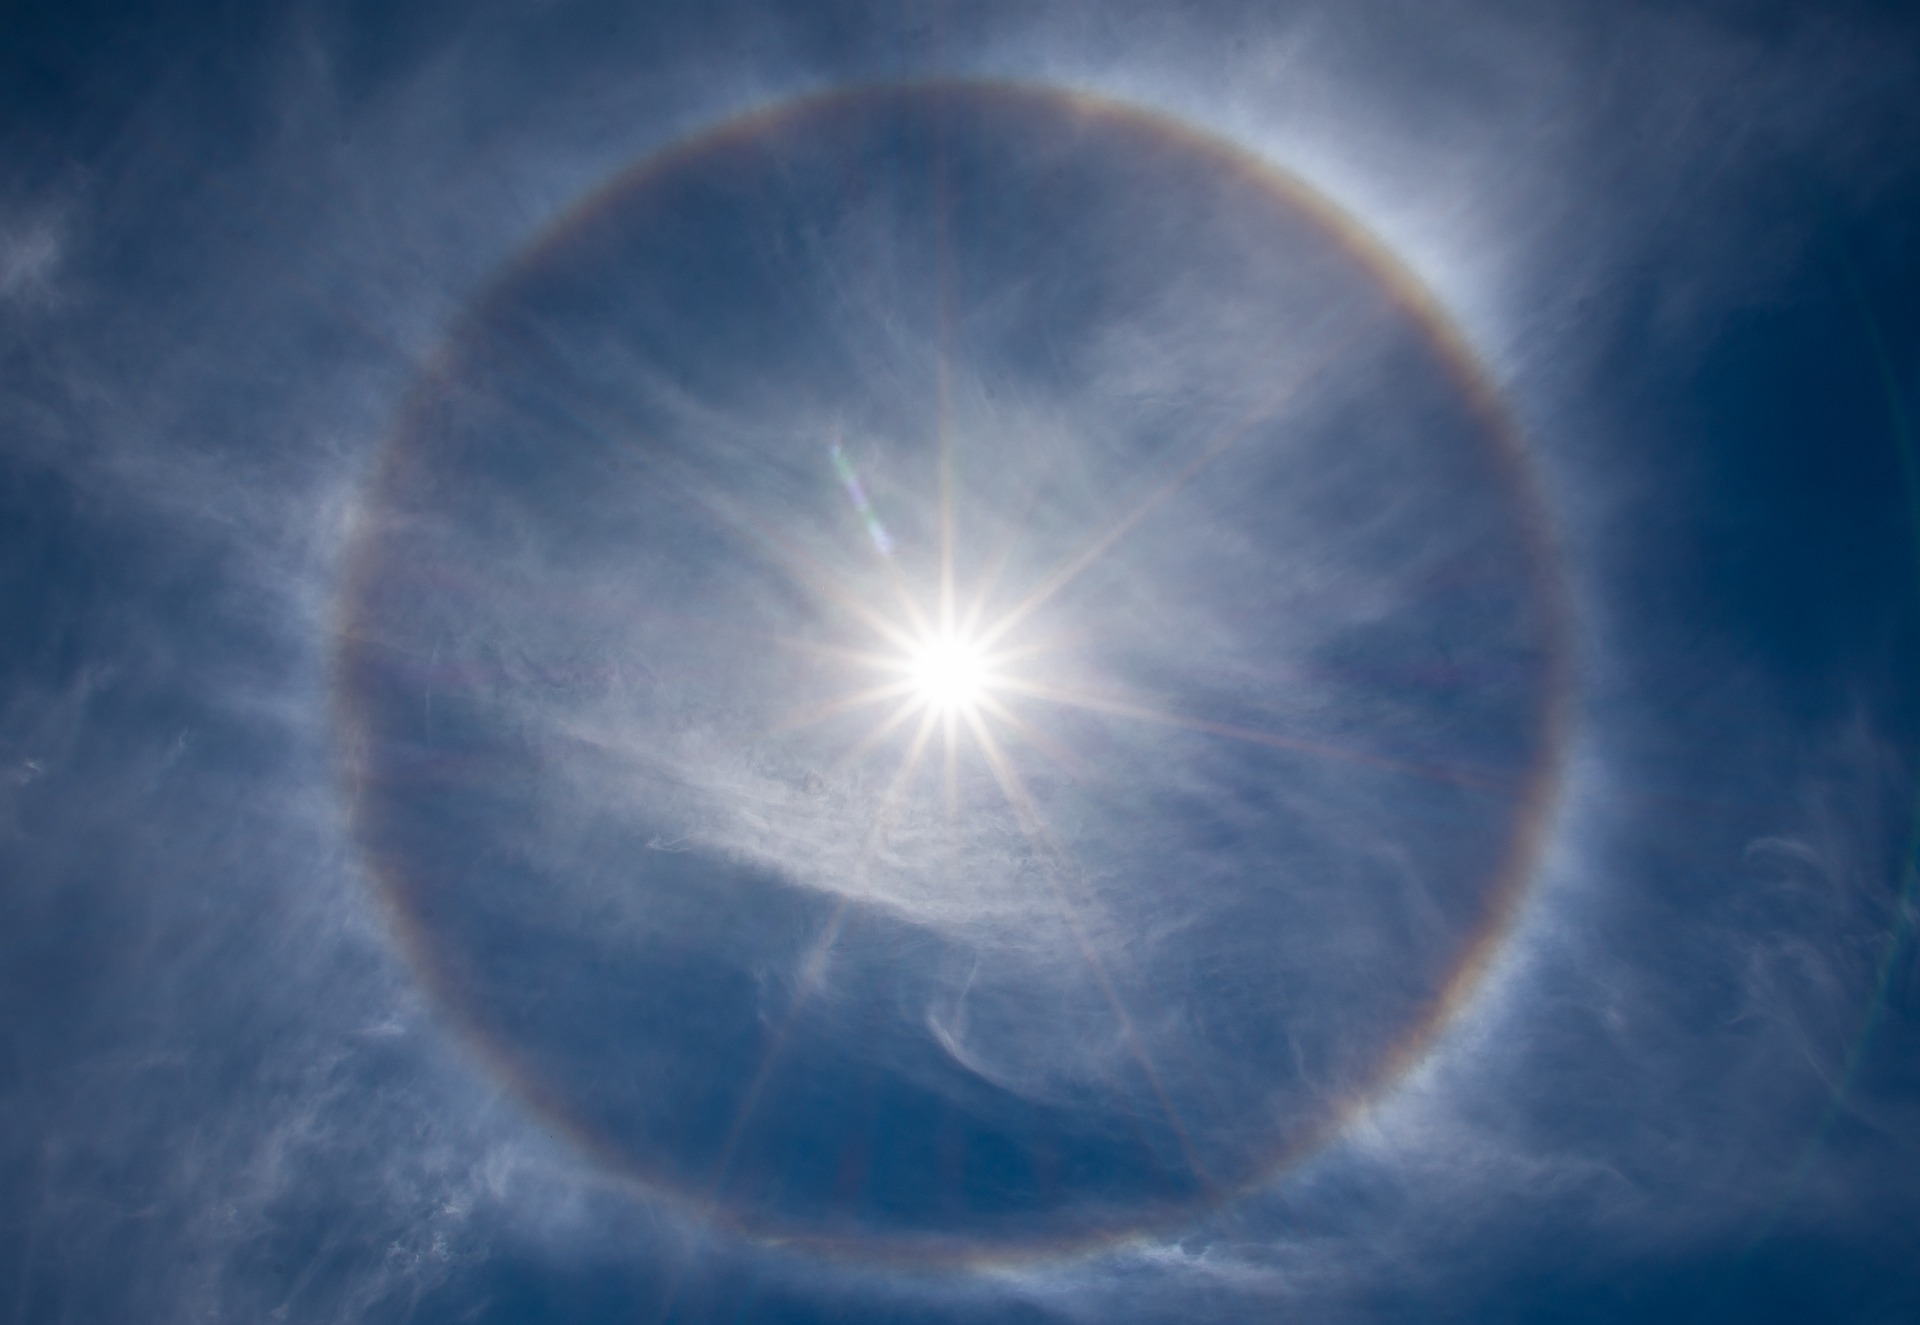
point(949, 672)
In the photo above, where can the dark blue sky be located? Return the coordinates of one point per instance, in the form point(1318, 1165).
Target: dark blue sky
point(1432, 839)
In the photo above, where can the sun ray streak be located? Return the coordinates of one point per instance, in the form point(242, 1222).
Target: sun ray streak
point(813, 970)
point(918, 623)
point(1066, 760)
point(868, 743)
point(811, 973)
point(1223, 442)
point(804, 569)
point(996, 566)
point(879, 662)
point(846, 704)
point(943, 295)
point(1090, 780)
point(950, 770)
point(1027, 813)
point(1121, 708)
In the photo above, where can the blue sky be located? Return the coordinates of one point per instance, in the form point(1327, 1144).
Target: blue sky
point(1050, 663)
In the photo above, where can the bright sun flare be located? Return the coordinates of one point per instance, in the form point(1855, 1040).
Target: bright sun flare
point(949, 672)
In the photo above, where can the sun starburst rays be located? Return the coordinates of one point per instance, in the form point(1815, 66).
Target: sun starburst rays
point(962, 674)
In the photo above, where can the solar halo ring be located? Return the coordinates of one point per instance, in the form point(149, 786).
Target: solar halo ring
point(951, 671)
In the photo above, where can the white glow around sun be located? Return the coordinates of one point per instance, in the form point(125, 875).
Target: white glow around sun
point(950, 672)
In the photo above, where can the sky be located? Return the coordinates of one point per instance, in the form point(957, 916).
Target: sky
point(748, 662)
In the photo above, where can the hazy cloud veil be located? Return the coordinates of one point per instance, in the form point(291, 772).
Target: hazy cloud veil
point(1429, 492)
